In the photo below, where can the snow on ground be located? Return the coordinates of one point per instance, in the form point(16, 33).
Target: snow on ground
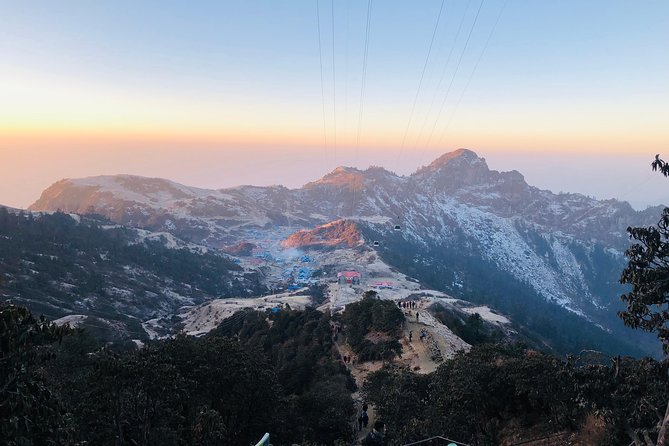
point(448, 342)
point(487, 314)
point(506, 246)
point(204, 318)
point(163, 194)
point(169, 241)
point(151, 327)
point(376, 219)
point(278, 267)
point(72, 319)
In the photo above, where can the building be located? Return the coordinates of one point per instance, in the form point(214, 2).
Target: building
point(350, 277)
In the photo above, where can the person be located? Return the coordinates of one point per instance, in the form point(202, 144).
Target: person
point(377, 437)
point(410, 334)
point(363, 418)
point(416, 316)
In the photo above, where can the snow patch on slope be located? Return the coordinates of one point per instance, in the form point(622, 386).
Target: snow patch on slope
point(501, 243)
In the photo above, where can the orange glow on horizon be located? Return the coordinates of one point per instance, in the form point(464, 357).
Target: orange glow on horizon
point(58, 113)
point(512, 141)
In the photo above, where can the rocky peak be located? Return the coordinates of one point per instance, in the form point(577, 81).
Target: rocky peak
point(458, 159)
point(342, 177)
point(455, 170)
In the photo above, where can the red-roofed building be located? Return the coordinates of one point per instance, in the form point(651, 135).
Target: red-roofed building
point(352, 277)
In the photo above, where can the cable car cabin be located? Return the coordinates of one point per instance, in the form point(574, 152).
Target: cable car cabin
point(398, 227)
point(376, 243)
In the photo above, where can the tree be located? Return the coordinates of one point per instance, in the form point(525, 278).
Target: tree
point(648, 273)
point(477, 397)
point(628, 395)
point(373, 315)
point(30, 413)
point(401, 399)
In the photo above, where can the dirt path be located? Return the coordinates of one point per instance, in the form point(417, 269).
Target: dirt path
point(415, 354)
point(359, 371)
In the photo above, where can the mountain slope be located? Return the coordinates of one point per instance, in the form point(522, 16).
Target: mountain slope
point(463, 227)
point(61, 265)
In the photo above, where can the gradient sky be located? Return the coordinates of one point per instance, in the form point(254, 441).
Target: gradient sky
point(574, 94)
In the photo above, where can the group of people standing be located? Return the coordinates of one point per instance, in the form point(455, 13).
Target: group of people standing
point(407, 304)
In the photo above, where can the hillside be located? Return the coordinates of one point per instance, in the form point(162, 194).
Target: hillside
point(115, 277)
point(475, 233)
point(284, 373)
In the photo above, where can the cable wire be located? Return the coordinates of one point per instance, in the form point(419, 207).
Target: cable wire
point(420, 83)
point(362, 92)
point(334, 85)
point(320, 58)
point(455, 73)
point(443, 72)
point(471, 75)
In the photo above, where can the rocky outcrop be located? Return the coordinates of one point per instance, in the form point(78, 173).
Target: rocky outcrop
point(338, 234)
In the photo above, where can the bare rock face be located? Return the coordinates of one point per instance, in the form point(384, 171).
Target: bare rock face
point(338, 234)
point(456, 170)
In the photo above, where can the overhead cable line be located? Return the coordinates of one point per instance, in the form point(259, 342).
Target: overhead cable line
point(320, 59)
point(471, 75)
point(420, 83)
point(347, 33)
point(364, 72)
point(455, 73)
point(334, 84)
point(413, 107)
point(362, 92)
point(443, 71)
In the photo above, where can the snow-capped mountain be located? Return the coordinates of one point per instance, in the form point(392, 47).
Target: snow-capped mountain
point(460, 223)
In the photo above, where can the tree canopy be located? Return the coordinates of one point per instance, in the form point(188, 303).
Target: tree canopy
point(648, 274)
point(373, 315)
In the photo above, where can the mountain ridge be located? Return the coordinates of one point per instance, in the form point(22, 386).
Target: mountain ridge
point(456, 217)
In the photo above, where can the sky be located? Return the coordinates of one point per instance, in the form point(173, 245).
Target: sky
point(573, 94)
